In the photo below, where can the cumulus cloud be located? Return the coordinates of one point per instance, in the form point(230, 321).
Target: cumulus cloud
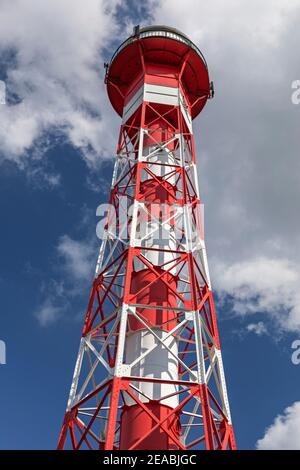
point(68, 285)
point(262, 285)
point(257, 328)
point(283, 434)
point(56, 73)
point(53, 304)
point(48, 313)
point(77, 257)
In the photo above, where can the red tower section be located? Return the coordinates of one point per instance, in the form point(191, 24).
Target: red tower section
point(149, 372)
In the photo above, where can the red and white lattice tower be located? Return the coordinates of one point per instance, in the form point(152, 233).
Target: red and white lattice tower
point(149, 372)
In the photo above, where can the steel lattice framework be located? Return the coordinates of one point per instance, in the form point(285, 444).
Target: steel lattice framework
point(149, 372)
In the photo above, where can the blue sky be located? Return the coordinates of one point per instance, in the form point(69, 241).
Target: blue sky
point(57, 140)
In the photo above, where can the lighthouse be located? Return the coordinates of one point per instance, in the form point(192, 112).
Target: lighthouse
point(149, 373)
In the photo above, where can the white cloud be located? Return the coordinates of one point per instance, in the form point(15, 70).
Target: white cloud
point(64, 293)
point(234, 19)
point(48, 313)
point(284, 433)
point(54, 302)
point(257, 328)
point(58, 75)
point(78, 258)
point(262, 285)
